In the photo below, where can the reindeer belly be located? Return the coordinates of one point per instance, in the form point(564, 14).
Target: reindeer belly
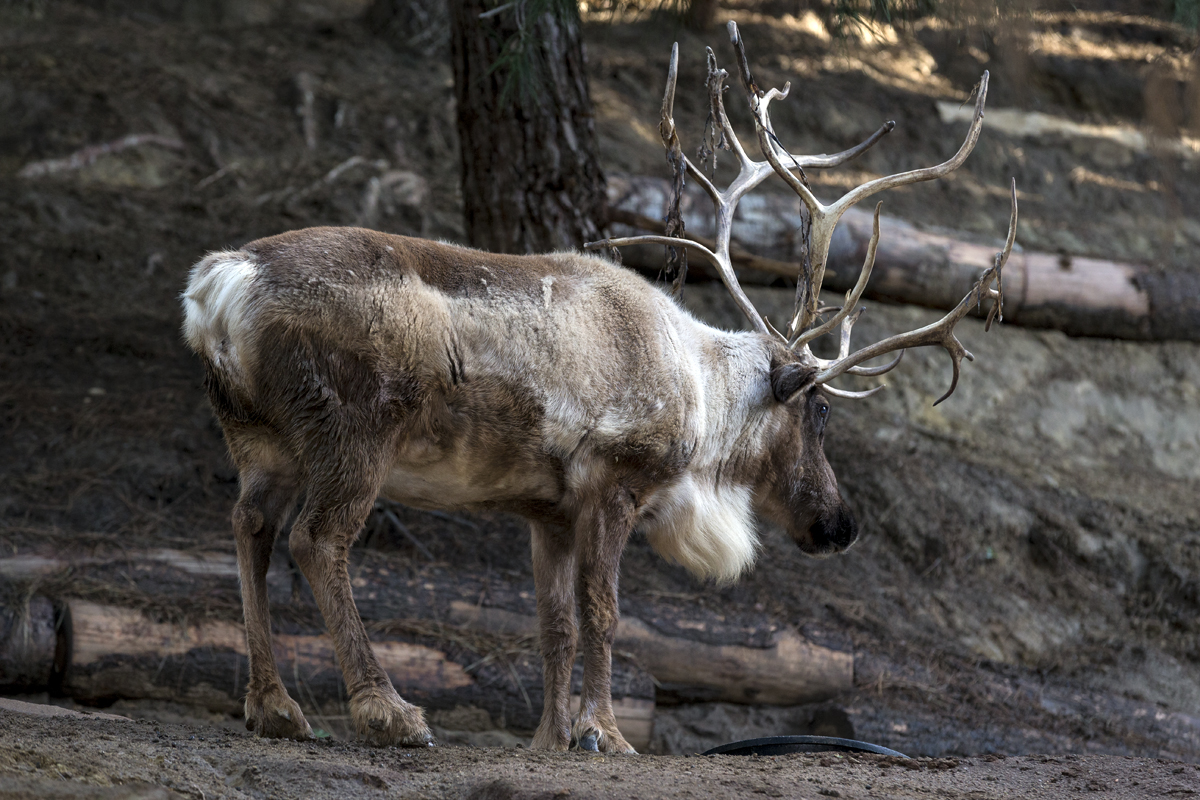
point(466, 477)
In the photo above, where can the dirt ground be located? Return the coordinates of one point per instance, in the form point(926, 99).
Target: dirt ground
point(1028, 578)
point(97, 758)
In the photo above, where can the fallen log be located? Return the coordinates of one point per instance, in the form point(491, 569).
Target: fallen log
point(743, 258)
point(1077, 295)
point(88, 155)
point(690, 653)
point(28, 645)
point(120, 652)
point(101, 653)
point(12, 706)
point(791, 672)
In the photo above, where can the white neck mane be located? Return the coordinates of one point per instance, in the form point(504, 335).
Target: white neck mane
point(702, 523)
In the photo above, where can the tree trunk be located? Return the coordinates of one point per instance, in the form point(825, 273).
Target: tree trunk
point(530, 178)
point(701, 14)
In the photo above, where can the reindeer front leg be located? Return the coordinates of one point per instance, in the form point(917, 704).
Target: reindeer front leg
point(600, 536)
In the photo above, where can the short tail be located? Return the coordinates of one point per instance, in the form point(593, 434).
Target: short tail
point(216, 323)
point(215, 305)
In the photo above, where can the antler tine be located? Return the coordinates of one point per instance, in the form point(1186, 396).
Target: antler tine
point(847, 319)
point(844, 350)
point(759, 105)
point(847, 326)
point(928, 173)
point(852, 395)
point(666, 127)
point(761, 101)
point(940, 333)
point(716, 103)
point(852, 297)
point(997, 294)
point(825, 218)
point(670, 137)
point(881, 370)
point(750, 175)
point(837, 159)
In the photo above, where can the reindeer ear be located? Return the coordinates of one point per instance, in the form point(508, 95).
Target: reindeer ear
point(788, 379)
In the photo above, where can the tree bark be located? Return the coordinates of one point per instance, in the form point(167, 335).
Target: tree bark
point(701, 14)
point(530, 177)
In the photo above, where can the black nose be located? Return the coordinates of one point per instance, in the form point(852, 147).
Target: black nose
point(836, 531)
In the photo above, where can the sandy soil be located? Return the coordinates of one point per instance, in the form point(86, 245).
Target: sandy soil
point(81, 757)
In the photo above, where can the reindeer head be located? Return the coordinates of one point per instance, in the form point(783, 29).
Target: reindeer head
point(801, 491)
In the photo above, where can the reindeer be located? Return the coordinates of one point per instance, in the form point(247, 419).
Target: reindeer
point(344, 364)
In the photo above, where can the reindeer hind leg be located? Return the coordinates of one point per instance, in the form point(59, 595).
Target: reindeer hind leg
point(340, 493)
point(269, 489)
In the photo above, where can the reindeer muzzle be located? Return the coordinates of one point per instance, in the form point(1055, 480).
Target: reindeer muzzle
point(833, 533)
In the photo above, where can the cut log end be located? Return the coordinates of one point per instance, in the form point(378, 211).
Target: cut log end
point(29, 645)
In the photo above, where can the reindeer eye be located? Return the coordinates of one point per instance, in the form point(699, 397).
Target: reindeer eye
point(823, 410)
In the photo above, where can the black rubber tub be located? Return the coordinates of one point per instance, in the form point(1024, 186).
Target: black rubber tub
point(785, 745)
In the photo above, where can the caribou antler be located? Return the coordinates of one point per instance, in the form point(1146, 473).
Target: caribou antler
point(823, 220)
point(817, 229)
point(750, 175)
point(825, 217)
point(940, 333)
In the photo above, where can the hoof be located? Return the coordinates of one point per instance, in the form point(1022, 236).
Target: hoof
point(383, 719)
point(276, 716)
point(591, 737)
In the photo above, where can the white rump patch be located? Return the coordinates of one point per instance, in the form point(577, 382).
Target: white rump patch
point(709, 530)
point(215, 306)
